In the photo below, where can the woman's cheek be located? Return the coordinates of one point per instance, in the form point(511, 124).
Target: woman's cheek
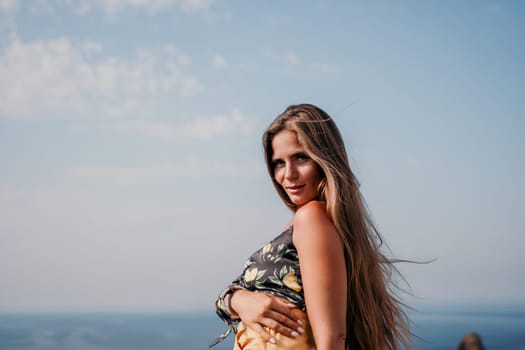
point(277, 174)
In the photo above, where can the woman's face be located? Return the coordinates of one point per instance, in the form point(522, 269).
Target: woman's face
point(298, 175)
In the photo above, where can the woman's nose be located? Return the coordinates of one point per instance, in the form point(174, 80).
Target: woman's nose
point(291, 172)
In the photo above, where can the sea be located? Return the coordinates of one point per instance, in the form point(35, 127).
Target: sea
point(436, 328)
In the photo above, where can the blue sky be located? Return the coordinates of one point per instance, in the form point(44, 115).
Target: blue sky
point(132, 168)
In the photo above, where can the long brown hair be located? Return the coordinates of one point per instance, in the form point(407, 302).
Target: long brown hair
point(374, 317)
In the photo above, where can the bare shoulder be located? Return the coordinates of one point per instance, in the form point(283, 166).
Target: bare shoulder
point(312, 223)
point(311, 213)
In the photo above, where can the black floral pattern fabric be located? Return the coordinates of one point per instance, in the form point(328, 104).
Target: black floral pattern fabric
point(273, 269)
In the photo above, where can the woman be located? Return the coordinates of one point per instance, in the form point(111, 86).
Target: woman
point(323, 283)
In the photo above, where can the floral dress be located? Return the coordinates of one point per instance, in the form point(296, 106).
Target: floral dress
point(273, 269)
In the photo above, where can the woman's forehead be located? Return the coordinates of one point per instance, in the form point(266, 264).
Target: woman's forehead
point(286, 141)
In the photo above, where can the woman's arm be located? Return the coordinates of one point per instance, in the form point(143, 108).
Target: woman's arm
point(257, 310)
point(323, 272)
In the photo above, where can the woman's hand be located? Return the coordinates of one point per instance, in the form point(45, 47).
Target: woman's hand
point(258, 310)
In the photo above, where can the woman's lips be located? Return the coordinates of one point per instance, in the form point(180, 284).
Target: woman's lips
point(294, 189)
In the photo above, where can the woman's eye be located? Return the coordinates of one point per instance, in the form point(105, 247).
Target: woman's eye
point(301, 156)
point(278, 163)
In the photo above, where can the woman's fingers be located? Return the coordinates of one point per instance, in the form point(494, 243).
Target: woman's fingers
point(282, 304)
point(284, 310)
point(279, 317)
point(269, 323)
point(263, 333)
point(282, 324)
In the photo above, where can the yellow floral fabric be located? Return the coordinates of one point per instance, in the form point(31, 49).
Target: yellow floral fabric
point(273, 269)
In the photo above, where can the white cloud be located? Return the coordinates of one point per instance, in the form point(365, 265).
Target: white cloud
point(8, 5)
point(90, 47)
point(58, 78)
point(111, 7)
point(218, 61)
point(195, 5)
point(204, 128)
point(197, 128)
point(114, 7)
point(8, 16)
point(151, 6)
